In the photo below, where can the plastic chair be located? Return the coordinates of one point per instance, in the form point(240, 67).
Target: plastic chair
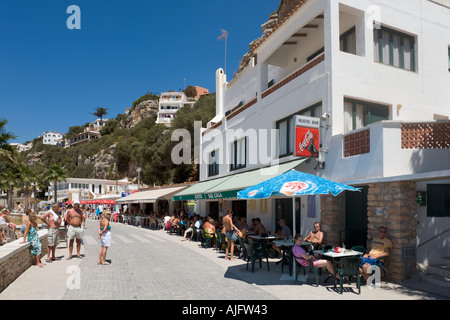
point(220, 240)
point(205, 241)
point(196, 232)
point(359, 249)
point(348, 267)
point(380, 263)
point(242, 250)
point(256, 252)
point(311, 266)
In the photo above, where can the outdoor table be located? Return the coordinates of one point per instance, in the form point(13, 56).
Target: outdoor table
point(259, 238)
point(284, 243)
point(336, 256)
point(288, 244)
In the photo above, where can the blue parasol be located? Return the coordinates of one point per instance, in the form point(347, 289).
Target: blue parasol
point(293, 183)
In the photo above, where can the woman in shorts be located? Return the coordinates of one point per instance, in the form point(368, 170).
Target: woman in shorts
point(104, 234)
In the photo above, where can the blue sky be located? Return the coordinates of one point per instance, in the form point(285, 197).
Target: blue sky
point(52, 78)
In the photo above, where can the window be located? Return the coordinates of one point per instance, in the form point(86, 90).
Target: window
point(213, 166)
point(394, 48)
point(348, 41)
point(358, 114)
point(238, 154)
point(449, 58)
point(286, 129)
point(438, 200)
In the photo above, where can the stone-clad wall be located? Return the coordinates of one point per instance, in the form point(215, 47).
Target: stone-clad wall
point(391, 204)
point(16, 258)
point(332, 217)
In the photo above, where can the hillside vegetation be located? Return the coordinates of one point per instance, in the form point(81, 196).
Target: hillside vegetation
point(122, 149)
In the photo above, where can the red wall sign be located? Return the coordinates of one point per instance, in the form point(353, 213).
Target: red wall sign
point(306, 136)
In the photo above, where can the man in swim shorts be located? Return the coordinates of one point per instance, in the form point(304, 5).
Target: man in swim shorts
point(75, 229)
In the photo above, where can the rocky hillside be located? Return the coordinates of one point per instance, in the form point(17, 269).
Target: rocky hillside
point(145, 109)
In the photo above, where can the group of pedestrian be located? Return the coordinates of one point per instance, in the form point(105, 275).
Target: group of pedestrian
point(73, 221)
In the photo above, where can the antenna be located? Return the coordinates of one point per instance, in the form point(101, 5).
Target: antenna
point(224, 36)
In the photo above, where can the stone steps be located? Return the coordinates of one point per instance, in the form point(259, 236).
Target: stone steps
point(438, 274)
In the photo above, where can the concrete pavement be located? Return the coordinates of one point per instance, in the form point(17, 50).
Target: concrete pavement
point(153, 265)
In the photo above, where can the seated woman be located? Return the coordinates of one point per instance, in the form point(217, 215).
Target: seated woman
point(303, 258)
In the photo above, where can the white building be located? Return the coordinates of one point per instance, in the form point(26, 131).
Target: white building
point(376, 76)
point(169, 104)
point(98, 124)
point(79, 189)
point(51, 137)
point(22, 147)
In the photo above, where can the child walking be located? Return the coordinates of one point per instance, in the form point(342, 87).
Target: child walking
point(30, 234)
point(104, 234)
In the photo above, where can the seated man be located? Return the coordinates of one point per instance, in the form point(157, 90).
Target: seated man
point(210, 229)
point(284, 233)
point(315, 237)
point(380, 248)
point(259, 227)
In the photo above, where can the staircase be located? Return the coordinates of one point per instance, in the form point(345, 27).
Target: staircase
point(438, 274)
point(433, 279)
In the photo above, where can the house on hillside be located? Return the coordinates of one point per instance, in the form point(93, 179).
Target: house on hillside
point(374, 77)
point(169, 104)
point(51, 137)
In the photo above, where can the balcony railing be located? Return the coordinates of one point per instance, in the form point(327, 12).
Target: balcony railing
point(311, 64)
point(426, 135)
point(357, 143)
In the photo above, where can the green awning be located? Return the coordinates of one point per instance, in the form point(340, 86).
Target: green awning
point(229, 186)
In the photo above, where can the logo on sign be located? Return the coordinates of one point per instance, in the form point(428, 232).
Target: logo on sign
point(306, 136)
point(290, 188)
point(252, 193)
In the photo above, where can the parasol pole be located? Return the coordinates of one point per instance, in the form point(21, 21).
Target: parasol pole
point(293, 234)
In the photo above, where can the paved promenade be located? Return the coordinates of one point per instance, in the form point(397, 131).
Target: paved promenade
point(153, 265)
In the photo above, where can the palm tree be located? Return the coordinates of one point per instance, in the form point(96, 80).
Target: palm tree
point(8, 174)
point(26, 176)
point(39, 184)
point(6, 151)
point(56, 173)
point(100, 112)
point(8, 178)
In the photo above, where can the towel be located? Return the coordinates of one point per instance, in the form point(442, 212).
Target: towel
point(55, 215)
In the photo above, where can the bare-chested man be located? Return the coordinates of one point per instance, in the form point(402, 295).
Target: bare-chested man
point(75, 229)
point(230, 234)
point(315, 237)
point(52, 219)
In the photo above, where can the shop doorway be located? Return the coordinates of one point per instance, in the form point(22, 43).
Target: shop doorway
point(214, 209)
point(283, 209)
point(356, 222)
point(239, 208)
